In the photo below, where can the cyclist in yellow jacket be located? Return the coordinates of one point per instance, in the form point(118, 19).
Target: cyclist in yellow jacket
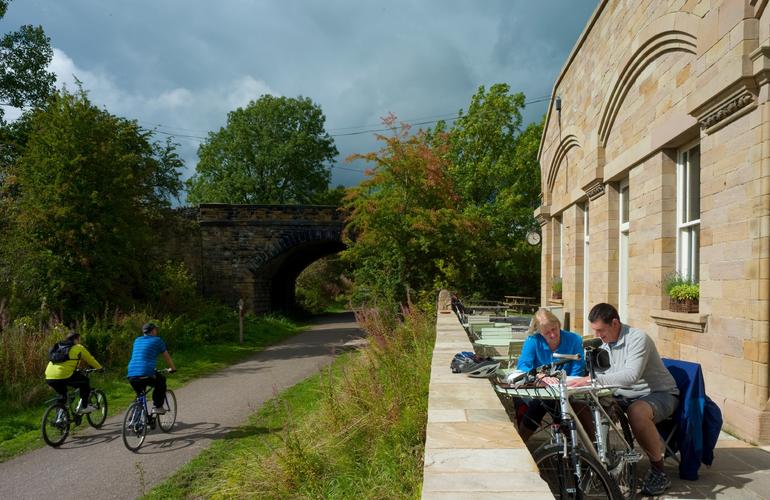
point(61, 375)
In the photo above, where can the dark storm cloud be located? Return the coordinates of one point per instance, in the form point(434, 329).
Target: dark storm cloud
point(183, 65)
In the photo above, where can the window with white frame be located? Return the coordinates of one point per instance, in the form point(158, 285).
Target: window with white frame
point(557, 248)
point(623, 257)
point(586, 273)
point(688, 213)
point(561, 248)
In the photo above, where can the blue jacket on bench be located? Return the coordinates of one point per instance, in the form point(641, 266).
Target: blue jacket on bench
point(698, 417)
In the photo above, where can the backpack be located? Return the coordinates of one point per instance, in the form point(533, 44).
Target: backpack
point(59, 352)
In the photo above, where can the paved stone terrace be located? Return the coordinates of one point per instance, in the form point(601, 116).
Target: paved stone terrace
point(740, 472)
point(472, 449)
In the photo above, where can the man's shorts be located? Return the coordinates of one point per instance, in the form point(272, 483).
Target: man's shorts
point(663, 404)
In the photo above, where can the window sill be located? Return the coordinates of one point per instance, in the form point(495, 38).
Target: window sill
point(558, 302)
point(694, 322)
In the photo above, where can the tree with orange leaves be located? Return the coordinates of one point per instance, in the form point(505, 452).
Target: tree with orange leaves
point(444, 208)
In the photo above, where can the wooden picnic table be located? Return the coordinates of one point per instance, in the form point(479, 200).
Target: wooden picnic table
point(520, 303)
point(475, 308)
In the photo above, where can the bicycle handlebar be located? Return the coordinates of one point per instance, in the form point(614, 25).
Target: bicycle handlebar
point(565, 358)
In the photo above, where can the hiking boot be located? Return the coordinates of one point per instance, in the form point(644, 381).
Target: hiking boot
point(655, 483)
point(158, 410)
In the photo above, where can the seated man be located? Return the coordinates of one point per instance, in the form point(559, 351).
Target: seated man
point(538, 350)
point(652, 394)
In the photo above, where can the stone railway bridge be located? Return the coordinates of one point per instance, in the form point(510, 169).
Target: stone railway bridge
point(256, 252)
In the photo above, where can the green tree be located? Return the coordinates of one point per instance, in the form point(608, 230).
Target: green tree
point(484, 143)
point(449, 206)
point(330, 196)
point(404, 230)
point(321, 284)
point(82, 197)
point(24, 56)
point(498, 175)
point(275, 150)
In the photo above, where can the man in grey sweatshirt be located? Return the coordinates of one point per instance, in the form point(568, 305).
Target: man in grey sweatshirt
point(648, 386)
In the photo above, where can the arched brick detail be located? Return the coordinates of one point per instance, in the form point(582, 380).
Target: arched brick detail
point(286, 242)
point(567, 143)
point(671, 33)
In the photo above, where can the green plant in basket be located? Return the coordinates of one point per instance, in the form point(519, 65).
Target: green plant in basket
point(671, 280)
point(556, 287)
point(685, 291)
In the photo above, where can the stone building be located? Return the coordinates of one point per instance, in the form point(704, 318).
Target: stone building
point(655, 158)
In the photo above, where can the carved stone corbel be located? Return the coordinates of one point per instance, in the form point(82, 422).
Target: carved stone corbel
point(543, 215)
point(727, 106)
point(594, 189)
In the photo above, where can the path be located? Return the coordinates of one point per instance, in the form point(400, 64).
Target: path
point(97, 464)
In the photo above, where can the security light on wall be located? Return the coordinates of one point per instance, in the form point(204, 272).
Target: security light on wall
point(558, 103)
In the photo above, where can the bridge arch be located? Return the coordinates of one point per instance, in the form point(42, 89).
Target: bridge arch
point(256, 252)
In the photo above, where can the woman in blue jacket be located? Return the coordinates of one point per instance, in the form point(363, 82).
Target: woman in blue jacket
point(547, 339)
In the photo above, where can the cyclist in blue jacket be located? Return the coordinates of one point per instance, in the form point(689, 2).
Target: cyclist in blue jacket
point(547, 339)
point(141, 367)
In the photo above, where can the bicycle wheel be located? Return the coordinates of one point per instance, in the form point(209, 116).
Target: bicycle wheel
point(557, 471)
point(167, 420)
point(98, 400)
point(56, 424)
point(134, 426)
point(621, 457)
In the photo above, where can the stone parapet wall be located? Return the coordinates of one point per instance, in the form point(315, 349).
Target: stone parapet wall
point(222, 213)
point(472, 449)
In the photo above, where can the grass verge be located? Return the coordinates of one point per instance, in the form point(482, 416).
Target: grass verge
point(355, 431)
point(20, 428)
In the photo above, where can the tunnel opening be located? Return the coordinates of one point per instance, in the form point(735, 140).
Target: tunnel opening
point(284, 270)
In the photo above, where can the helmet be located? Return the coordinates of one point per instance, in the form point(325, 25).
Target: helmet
point(483, 369)
point(462, 361)
point(148, 328)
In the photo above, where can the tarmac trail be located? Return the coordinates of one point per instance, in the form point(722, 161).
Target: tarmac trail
point(96, 464)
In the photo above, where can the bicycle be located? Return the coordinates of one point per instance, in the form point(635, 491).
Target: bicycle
point(59, 415)
point(574, 464)
point(138, 419)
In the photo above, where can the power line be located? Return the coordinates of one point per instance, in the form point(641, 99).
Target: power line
point(428, 122)
point(436, 119)
point(408, 120)
point(348, 169)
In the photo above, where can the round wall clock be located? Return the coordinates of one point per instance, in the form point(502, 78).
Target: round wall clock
point(533, 237)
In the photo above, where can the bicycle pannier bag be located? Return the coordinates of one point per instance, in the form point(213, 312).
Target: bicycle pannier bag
point(59, 352)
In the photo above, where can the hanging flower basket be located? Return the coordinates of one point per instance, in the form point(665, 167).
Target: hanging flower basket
point(682, 305)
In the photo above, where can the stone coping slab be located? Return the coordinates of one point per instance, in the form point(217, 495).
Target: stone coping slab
point(471, 449)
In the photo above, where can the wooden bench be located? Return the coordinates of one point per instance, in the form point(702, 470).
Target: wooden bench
point(520, 304)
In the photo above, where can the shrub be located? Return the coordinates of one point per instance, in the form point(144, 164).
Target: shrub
point(679, 287)
point(685, 291)
point(25, 341)
point(173, 288)
point(557, 285)
point(366, 437)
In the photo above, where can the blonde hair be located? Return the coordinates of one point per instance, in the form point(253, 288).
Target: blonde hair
point(543, 317)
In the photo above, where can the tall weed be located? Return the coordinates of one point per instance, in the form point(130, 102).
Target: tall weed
point(24, 343)
point(367, 436)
